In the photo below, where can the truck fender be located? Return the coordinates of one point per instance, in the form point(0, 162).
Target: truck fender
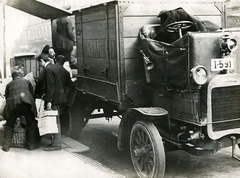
point(133, 115)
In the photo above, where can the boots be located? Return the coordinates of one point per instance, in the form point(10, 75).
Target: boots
point(32, 142)
point(8, 135)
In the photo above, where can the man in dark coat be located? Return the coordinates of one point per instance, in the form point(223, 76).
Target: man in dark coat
point(56, 79)
point(65, 38)
point(20, 102)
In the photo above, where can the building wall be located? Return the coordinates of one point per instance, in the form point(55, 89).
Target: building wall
point(1, 40)
point(233, 13)
point(35, 36)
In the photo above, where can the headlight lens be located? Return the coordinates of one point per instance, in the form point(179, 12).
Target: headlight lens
point(199, 75)
point(232, 44)
point(229, 44)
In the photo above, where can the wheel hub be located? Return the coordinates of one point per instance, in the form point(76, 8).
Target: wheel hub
point(140, 151)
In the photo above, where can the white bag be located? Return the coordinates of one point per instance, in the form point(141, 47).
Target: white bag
point(2, 105)
point(30, 77)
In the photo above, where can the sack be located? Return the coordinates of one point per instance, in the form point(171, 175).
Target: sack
point(2, 105)
point(47, 120)
point(2, 123)
point(30, 77)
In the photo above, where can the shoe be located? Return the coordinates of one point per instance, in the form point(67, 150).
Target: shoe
point(5, 148)
point(32, 147)
point(8, 135)
point(53, 148)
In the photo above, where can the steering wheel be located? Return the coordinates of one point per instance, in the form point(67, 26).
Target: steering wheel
point(178, 27)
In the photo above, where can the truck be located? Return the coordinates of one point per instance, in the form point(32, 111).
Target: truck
point(170, 96)
point(181, 94)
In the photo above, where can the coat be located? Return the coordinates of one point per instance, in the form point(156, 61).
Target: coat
point(65, 37)
point(40, 85)
point(57, 80)
point(19, 91)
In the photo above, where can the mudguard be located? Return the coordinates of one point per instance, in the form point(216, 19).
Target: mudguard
point(133, 115)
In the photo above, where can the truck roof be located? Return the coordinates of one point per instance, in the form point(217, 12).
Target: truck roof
point(39, 9)
point(47, 10)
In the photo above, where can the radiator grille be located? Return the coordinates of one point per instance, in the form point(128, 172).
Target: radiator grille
point(225, 106)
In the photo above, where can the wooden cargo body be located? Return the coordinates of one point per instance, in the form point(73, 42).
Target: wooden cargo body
point(109, 63)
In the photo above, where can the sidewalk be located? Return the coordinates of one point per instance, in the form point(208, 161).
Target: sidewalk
point(22, 163)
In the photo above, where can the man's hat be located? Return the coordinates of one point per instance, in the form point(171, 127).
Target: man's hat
point(60, 59)
point(45, 49)
point(43, 56)
point(16, 74)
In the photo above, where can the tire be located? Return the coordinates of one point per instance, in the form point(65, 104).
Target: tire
point(77, 121)
point(147, 150)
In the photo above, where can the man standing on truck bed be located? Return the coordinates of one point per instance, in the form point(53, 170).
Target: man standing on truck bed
point(65, 38)
point(56, 79)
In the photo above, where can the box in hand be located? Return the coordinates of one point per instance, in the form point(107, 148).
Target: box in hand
point(47, 122)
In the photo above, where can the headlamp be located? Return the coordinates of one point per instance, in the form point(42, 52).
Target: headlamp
point(228, 44)
point(232, 44)
point(199, 75)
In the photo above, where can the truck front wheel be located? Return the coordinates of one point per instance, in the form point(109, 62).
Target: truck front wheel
point(147, 150)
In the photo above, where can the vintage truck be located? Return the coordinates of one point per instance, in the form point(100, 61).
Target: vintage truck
point(179, 95)
point(170, 95)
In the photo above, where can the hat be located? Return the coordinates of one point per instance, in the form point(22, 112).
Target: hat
point(16, 74)
point(43, 56)
point(60, 59)
point(45, 49)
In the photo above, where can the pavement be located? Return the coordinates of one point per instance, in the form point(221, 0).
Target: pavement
point(65, 163)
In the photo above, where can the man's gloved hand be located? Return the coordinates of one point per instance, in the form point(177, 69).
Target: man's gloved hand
point(49, 106)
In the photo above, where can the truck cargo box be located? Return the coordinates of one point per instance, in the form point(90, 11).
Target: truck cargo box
point(110, 66)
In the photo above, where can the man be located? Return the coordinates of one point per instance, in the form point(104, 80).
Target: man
point(49, 51)
point(65, 38)
point(20, 102)
point(40, 84)
point(56, 79)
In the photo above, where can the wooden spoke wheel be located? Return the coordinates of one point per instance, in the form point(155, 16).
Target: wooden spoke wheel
point(147, 150)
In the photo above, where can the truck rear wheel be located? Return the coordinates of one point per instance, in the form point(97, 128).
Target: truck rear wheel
point(77, 122)
point(147, 150)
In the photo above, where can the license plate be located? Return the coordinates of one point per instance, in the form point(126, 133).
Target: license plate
point(222, 63)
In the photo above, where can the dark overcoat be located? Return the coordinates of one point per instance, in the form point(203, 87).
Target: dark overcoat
point(65, 37)
point(19, 91)
point(57, 80)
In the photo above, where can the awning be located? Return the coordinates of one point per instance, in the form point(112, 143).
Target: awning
point(39, 9)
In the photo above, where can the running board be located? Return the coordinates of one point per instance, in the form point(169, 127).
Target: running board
point(197, 151)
